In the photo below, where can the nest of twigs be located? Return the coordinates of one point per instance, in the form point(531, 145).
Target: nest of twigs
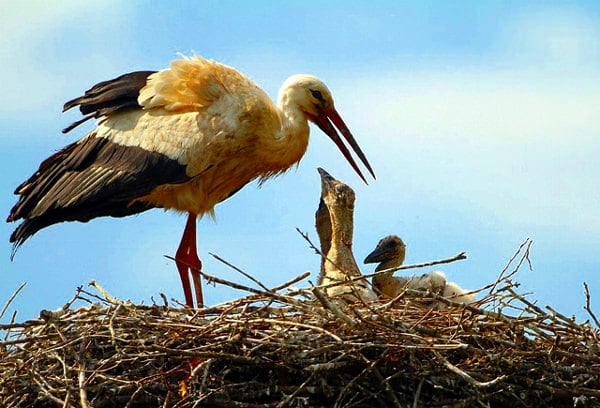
point(279, 348)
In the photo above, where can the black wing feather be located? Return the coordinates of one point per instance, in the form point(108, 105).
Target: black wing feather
point(94, 177)
point(109, 97)
point(91, 178)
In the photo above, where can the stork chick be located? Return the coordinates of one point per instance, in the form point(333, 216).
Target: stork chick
point(457, 294)
point(335, 226)
point(390, 253)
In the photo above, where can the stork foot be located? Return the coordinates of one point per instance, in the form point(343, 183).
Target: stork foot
point(190, 264)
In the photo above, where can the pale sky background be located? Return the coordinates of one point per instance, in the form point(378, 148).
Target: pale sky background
point(480, 118)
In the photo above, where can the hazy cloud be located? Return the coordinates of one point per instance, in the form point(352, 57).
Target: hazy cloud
point(34, 37)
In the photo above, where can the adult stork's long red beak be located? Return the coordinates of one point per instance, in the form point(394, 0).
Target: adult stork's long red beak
point(325, 120)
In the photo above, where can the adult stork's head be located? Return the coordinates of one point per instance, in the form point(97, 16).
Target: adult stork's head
point(314, 100)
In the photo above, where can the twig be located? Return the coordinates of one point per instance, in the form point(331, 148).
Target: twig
point(11, 298)
point(296, 324)
point(466, 377)
point(587, 307)
point(286, 400)
point(83, 399)
point(314, 248)
point(353, 381)
point(235, 268)
point(164, 299)
point(383, 381)
point(522, 298)
point(352, 279)
point(558, 315)
point(290, 282)
point(418, 393)
point(333, 307)
point(104, 293)
point(10, 326)
point(527, 244)
point(455, 258)
point(139, 390)
point(459, 257)
point(111, 322)
point(234, 285)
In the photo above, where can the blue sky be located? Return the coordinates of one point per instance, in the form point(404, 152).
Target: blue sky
point(481, 120)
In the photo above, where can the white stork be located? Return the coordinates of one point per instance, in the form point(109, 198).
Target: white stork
point(185, 138)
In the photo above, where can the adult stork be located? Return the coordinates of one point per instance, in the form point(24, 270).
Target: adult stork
point(185, 138)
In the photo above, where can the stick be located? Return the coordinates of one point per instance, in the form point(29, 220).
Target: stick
point(501, 277)
point(267, 293)
point(10, 299)
point(457, 257)
point(587, 304)
point(333, 307)
point(235, 268)
point(418, 393)
point(104, 293)
point(291, 282)
point(466, 376)
point(83, 399)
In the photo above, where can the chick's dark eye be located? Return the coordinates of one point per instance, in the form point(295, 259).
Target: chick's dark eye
point(317, 95)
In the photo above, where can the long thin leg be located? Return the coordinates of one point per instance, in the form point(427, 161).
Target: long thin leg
point(187, 262)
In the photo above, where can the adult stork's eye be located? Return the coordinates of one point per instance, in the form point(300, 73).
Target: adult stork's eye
point(317, 95)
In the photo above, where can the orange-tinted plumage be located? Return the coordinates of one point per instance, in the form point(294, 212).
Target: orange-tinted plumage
point(185, 138)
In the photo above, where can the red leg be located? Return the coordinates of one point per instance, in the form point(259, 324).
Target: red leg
point(188, 262)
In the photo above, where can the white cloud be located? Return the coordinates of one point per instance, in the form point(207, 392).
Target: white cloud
point(33, 50)
point(481, 106)
point(564, 35)
point(522, 145)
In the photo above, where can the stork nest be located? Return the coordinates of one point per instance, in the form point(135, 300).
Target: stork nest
point(278, 348)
